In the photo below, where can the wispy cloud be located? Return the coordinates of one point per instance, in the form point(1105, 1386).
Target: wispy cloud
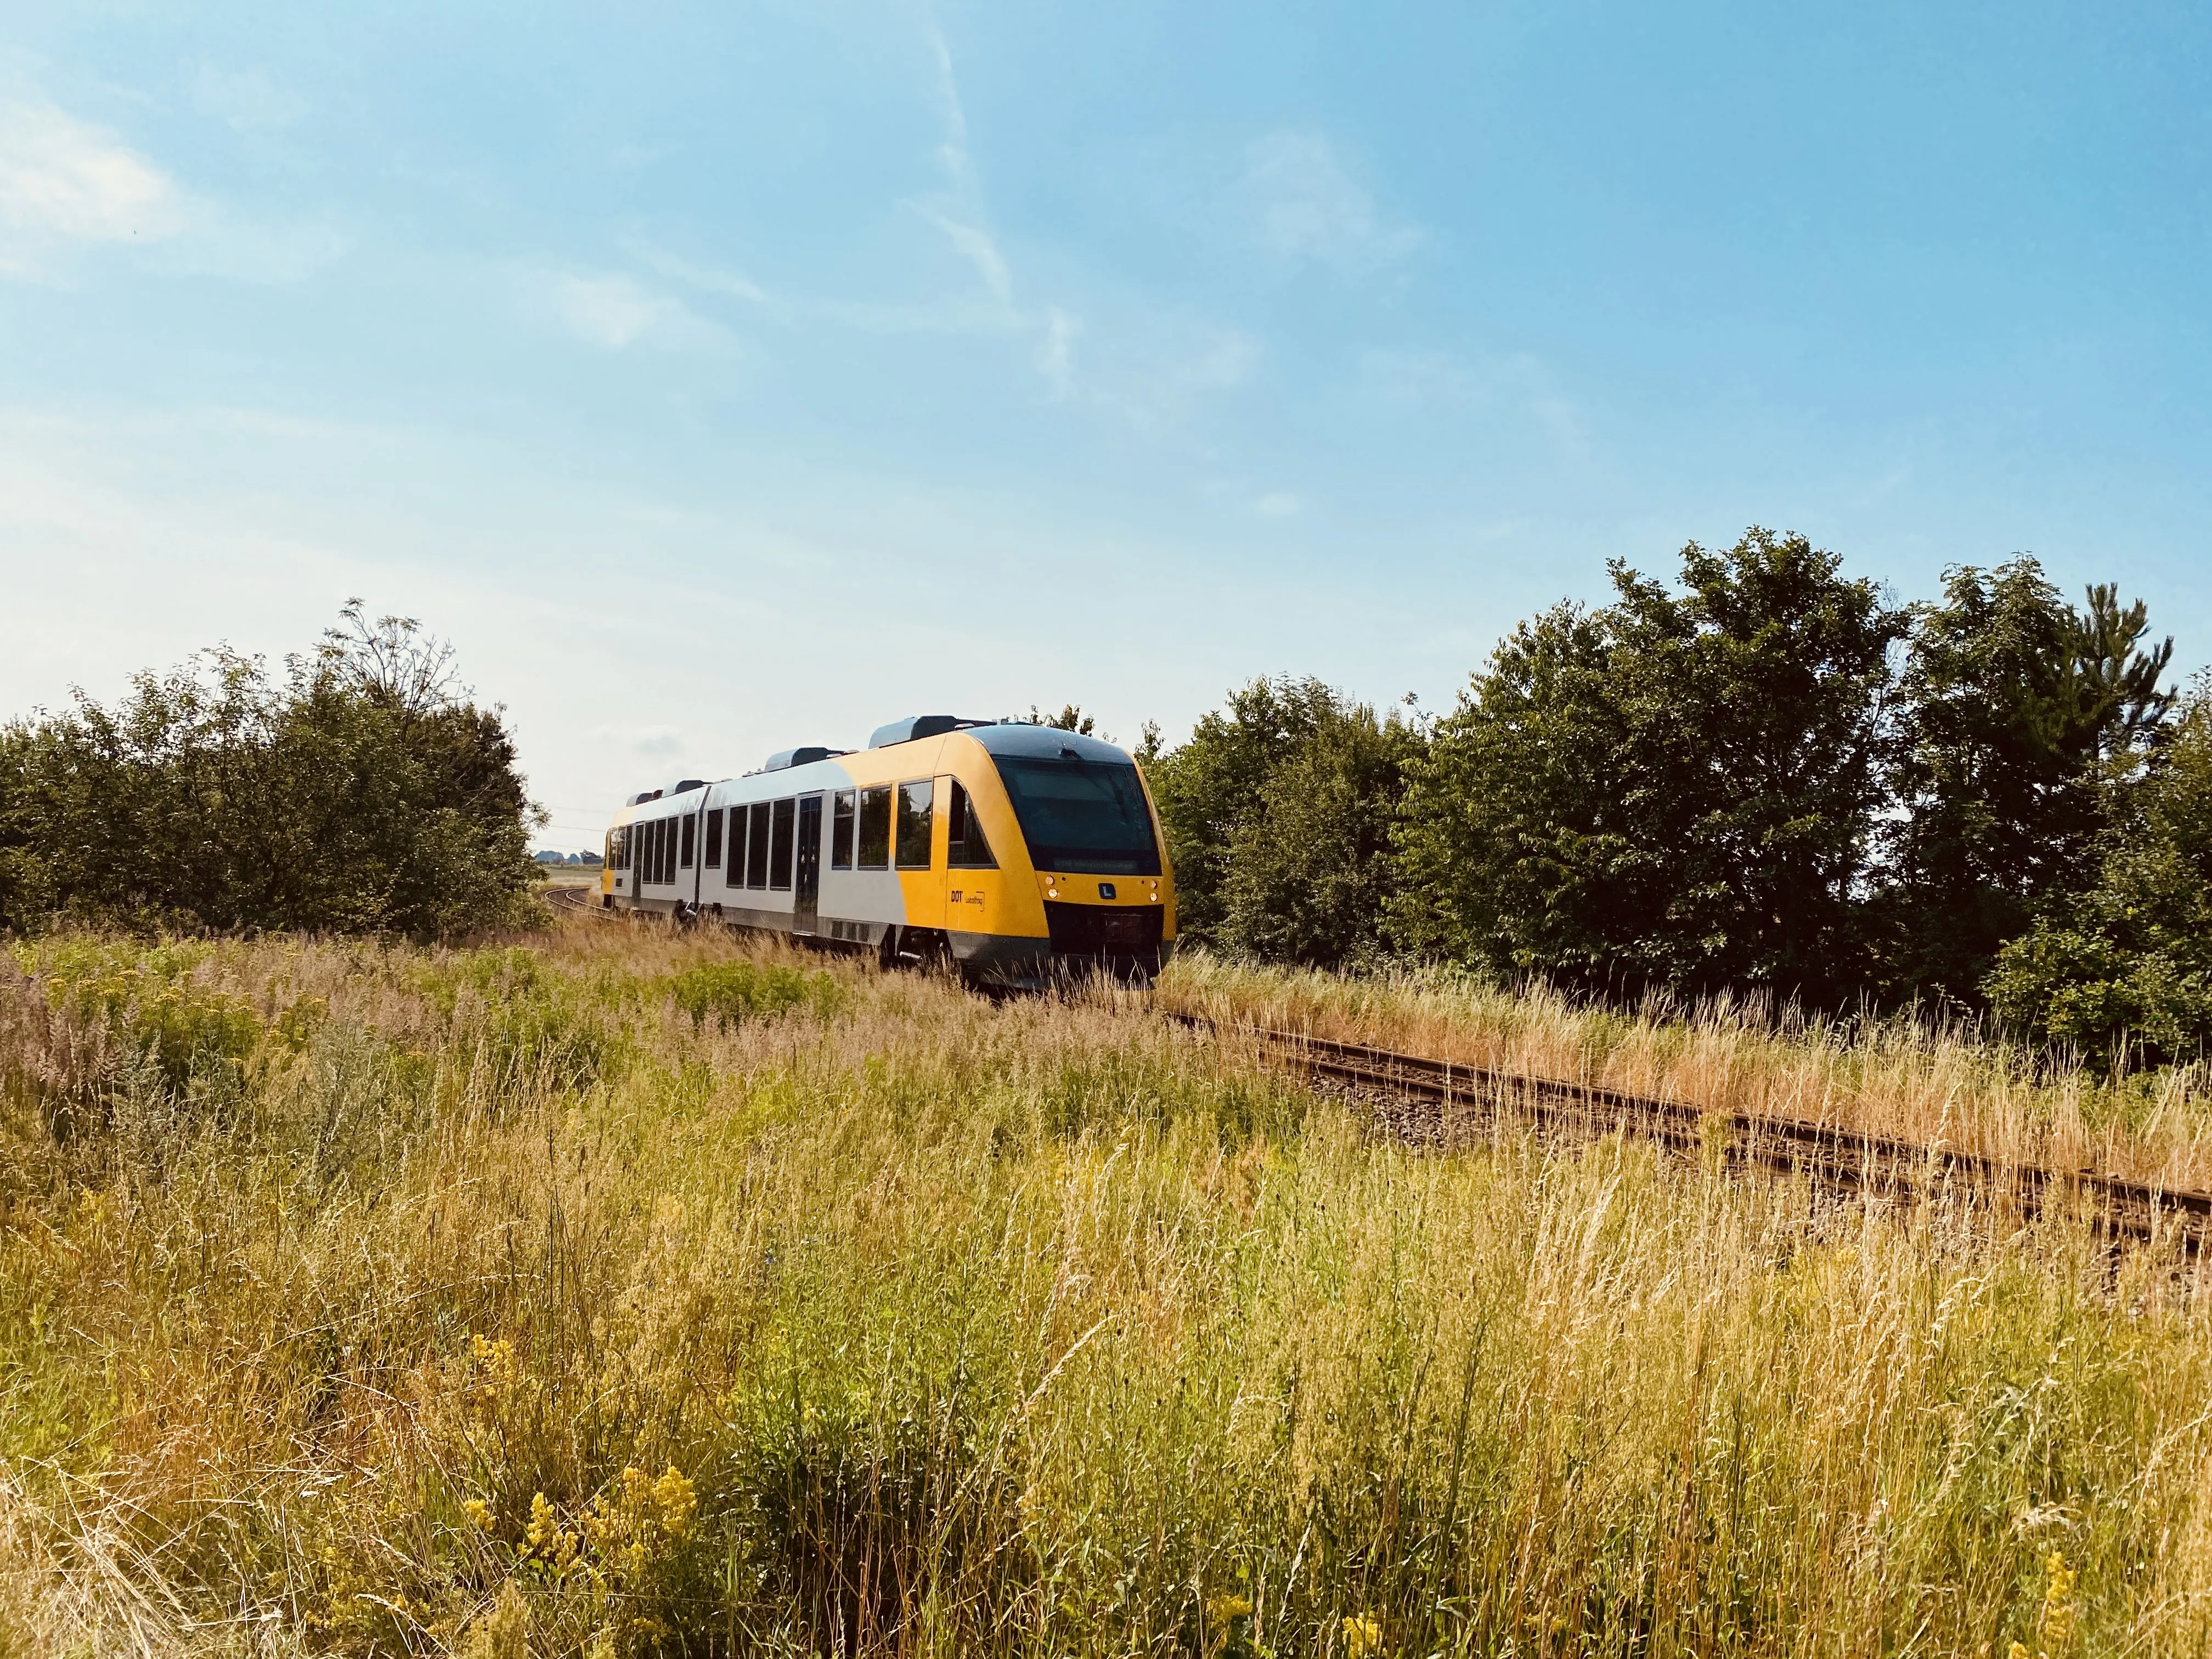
point(1056, 353)
point(65, 179)
point(68, 188)
point(1306, 205)
point(244, 100)
point(961, 213)
point(614, 311)
point(1519, 385)
point(707, 279)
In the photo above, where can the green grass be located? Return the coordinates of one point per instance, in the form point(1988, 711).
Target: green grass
point(618, 1295)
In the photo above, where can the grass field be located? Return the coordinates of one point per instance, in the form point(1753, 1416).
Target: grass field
point(608, 1293)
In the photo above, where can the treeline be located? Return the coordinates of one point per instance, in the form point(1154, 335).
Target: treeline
point(1767, 777)
point(360, 790)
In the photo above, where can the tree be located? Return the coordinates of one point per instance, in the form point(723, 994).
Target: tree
point(1309, 865)
point(2019, 719)
point(1678, 789)
point(2125, 966)
point(1276, 813)
point(362, 792)
point(1071, 718)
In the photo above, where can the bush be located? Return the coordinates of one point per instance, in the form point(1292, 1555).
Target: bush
point(2126, 968)
point(362, 792)
point(1278, 813)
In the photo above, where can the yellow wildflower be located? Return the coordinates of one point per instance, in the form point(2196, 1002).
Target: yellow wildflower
point(672, 1492)
point(541, 1521)
point(479, 1513)
point(2058, 1628)
point(1363, 1637)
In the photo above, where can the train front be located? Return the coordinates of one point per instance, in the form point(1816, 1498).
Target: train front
point(1104, 895)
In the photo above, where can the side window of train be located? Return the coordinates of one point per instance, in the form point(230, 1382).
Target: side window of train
point(756, 847)
point(713, 858)
point(786, 837)
point(966, 849)
point(841, 830)
point(876, 829)
point(915, 801)
point(691, 839)
point(664, 848)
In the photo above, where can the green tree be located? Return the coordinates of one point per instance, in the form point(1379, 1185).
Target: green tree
point(1277, 813)
point(2125, 966)
point(363, 791)
point(1677, 789)
point(1309, 865)
point(2019, 721)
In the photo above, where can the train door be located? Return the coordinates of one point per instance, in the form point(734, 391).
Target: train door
point(806, 879)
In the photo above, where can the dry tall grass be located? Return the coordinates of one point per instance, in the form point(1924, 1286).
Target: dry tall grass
point(612, 1294)
point(1939, 1087)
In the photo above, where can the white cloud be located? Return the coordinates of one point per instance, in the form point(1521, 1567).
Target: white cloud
point(245, 100)
point(1307, 206)
point(615, 312)
point(707, 279)
point(63, 179)
point(1056, 353)
point(1519, 386)
point(960, 213)
point(654, 742)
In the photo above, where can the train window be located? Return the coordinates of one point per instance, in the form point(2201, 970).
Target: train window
point(756, 847)
point(650, 852)
point(966, 849)
point(1082, 817)
point(913, 816)
point(663, 834)
point(786, 837)
point(691, 839)
point(875, 829)
point(713, 858)
point(840, 832)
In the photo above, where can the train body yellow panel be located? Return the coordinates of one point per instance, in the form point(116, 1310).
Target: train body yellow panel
point(1021, 854)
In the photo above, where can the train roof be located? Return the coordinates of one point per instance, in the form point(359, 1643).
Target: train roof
point(1016, 739)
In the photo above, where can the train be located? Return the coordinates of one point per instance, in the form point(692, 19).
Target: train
point(1013, 853)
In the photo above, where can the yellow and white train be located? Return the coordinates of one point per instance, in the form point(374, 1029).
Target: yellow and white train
point(1018, 853)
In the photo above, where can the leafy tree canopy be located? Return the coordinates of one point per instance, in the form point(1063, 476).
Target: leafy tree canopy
point(1277, 812)
point(2019, 719)
point(1678, 789)
point(360, 790)
point(2127, 963)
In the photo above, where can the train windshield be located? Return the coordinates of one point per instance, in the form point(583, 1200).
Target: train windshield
point(1082, 817)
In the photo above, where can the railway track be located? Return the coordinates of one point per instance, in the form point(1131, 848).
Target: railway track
point(1439, 1103)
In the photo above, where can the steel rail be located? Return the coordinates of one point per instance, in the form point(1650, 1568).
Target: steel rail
point(1832, 1155)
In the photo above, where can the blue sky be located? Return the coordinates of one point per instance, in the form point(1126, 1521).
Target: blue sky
point(727, 377)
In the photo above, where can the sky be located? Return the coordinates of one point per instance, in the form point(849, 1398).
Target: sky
point(724, 378)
